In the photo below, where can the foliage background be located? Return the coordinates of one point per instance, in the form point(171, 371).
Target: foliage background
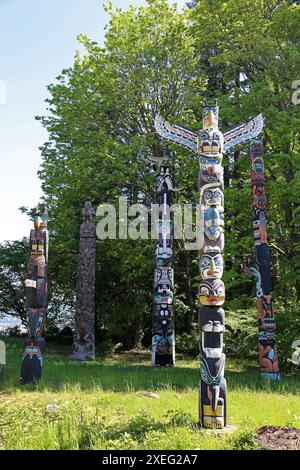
point(100, 124)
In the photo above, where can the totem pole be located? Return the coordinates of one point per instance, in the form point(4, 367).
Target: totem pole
point(84, 335)
point(36, 301)
point(262, 272)
point(209, 145)
point(163, 344)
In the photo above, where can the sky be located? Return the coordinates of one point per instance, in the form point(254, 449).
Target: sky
point(37, 41)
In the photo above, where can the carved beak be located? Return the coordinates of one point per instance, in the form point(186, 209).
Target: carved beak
point(37, 223)
point(210, 118)
point(209, 121)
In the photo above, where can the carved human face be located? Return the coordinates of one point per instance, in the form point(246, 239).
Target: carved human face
point(213, 197)
point(211, 265)
point(214, 223)
point(212, 292)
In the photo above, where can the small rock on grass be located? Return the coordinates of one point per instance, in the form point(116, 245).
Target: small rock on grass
point(148, 395)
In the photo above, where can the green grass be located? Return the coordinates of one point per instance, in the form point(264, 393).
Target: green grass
point(99, 405)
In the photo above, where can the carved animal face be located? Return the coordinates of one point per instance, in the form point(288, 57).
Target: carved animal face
point(211, 170)
point(163, 295)
point(210, 143)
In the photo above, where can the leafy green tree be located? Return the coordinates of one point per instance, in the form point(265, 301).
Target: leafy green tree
point(254, 47)
point(13, 256)
point(100, 125)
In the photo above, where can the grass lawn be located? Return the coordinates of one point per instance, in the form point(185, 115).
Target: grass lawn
point(102, 404)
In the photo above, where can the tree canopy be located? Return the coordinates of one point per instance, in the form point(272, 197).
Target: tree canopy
point(157, 59)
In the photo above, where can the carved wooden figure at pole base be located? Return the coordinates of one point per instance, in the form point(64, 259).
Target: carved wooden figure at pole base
point(36, 301)
point(210, 144)
point(262, 272)
point(163, 341)
point(84, 335)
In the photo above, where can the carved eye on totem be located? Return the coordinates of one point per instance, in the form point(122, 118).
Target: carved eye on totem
point(206, 110)
point(204, 262)
point(204, 291)
point(219, 261)
point(210, 160)
point(203, 136)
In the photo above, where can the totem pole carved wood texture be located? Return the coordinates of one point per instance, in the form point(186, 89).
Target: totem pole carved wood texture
point(84, 335)
point(209, 145)
point(36, 286)
point(262, 272)
point(163, 342)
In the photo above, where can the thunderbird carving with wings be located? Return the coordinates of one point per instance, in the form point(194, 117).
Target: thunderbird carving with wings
point(210, 141)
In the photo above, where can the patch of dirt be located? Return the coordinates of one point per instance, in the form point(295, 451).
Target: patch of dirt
point(279, 438)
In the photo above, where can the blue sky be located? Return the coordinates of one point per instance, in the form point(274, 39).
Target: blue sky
point(37, 40)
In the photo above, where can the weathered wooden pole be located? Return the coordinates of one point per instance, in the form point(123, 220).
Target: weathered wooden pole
point(36, 301)
point(84, 334)
point(163, 335)
point(262, 272)
point(209, 145)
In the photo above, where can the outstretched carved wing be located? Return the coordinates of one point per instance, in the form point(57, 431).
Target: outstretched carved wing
point(177, 134)
point(244, 132)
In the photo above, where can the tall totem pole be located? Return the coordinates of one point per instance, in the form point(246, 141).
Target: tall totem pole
point(36, 301)
point(262, 272)
point(163, 340)
point(84, 335)
point(209, 145)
